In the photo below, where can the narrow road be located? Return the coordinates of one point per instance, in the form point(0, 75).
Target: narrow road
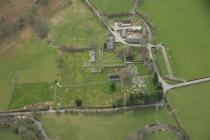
point(166, 86)
point(84, 110)
point(189, 83)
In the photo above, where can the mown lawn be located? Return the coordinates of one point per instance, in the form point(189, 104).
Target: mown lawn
point(192, 108)
point(9, 135)
point(77, 26)
point(113, 6)
point(183, 27)
point(101, 126)
point(34, 61)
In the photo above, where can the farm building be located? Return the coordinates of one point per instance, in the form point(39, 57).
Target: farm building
point(135, 40)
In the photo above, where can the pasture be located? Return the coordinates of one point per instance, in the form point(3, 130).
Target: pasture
point(192, 108)
point(76, 25)
point(116, 126)
point(109, 7)
point(160, 62)
point(185, 31)
point(30, 93)
point(164, 135)
point(9, 135)
point(25, 64)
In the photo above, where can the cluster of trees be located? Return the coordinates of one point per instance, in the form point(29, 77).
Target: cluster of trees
point(30, 17)
point(126, 53)
point(6, 28)
point(42, 2)
point(140, 98)
point(38, 23)
point(156, 82)
point(113, 87)
point(78, 102)
point(127, 74)
point(24, 127)
point(41, 27)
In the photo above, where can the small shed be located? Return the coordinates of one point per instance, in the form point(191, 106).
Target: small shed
point(110, 44)
point(114, 77)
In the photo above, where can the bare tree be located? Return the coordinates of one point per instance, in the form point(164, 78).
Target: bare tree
point(127, 74)
point(124, 52)
point(144, 53)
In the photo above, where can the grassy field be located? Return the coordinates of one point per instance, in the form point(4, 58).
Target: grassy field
point(8, 135)
point(25, 64)
point(95, 95)
point(187, 35)
point(158, 56)
point(143, 70)
point(29, 93)
point(165, 135)
point(33, 63)
point(76, 70)
point(76, 25)
point(192, 108)
point(113, 6)
point(101, 126)
point(111, 59)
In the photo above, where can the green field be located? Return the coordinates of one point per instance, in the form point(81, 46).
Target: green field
point(164, 135)
point(110, 59)
point(34, 62)
point(143, 70)
point(182, 26)
point(96, 95)
point(30, 93)
point(158, 56)
point(192, 108)
point(8, 135)
point(77, 26)
point(101, 126)
point(25, 64)
point(113, 6)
